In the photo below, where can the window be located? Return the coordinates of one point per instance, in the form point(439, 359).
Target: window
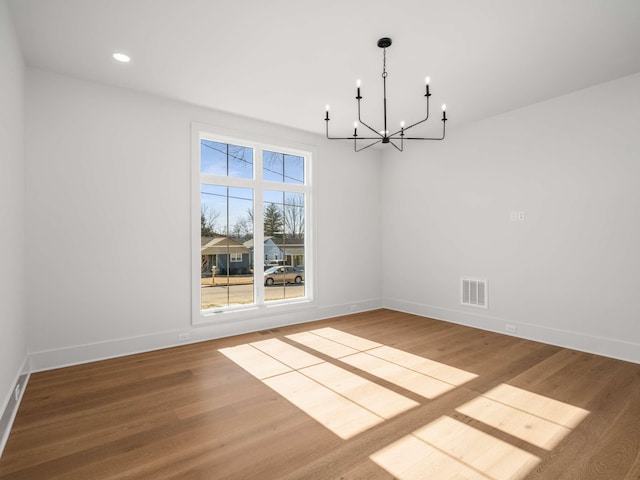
point(252, 203)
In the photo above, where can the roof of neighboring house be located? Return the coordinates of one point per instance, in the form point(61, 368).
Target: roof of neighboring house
point(221, 246)
point(205, 240)
point(277, 241)
point(287, 241)
point(249, 243)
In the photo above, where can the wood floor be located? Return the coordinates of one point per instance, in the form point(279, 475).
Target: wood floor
point(494, 407)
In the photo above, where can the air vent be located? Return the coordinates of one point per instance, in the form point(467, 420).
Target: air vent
point(474, 292)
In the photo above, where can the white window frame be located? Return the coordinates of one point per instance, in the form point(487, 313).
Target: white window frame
point(259, 308)
point(235, 257)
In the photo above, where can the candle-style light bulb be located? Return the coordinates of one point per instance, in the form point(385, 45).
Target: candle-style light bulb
point(444, 112)
point(402, 124)
point(426, 82)
point(358, 83)
point(327, 108)
point(358, 97)
point(327, 115)
point(355, 129)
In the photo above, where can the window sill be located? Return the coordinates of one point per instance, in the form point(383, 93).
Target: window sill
point(240, 313)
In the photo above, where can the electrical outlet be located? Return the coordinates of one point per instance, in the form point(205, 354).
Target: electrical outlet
point(182, 337)
point(16, 392)
point(511, 328)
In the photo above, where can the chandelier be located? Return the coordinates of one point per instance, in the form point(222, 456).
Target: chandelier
point(396, 138)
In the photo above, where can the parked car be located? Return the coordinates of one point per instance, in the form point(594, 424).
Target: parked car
point(283, 275)
point(274, 263)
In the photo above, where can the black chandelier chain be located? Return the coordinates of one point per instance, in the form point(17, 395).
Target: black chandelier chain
point(384, 136)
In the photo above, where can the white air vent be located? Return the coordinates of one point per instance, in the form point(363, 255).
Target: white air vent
point(474, 292)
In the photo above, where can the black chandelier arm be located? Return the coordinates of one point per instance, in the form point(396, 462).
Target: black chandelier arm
point(334, 138)
point(377, 139)
point(378, 136)
point(339, 138)
point(366, 125)
point(421, 121)
point(355, 147)
point(444, 123)
point(399, 148)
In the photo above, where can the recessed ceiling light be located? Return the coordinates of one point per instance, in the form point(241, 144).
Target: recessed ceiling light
point(121, 57)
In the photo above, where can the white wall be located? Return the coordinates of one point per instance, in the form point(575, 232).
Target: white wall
point(108, 231)
point(108, 235)
point(13, 349)
point(568, 274)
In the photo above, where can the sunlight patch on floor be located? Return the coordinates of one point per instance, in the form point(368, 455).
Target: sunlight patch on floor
point(419, 375)
point(437, 370)
point(257, 363)
point(376, 398)
point(448, 449)
point(353, 341)
point(412, 459)
point(323, 345)
point(287, 354)
point(408, 379)
point(548, 408)
point(340, 415)
point(534, 418)
point(343, 402)
point(348, 404)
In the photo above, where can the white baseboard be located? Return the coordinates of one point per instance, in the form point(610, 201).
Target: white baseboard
point(79, 354)
point(608, 347)
point(11, 404)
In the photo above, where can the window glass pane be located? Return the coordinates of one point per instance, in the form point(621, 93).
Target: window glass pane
point(213, 210)
point(283, 168)
point(273, 213)
point(226, 159)
point(284, 251)
point(226, 246)
point(293, 211)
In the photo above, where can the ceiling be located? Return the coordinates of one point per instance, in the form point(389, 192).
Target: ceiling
point(283, 60)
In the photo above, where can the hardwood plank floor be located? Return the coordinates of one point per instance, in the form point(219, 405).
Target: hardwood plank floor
point(503, 408)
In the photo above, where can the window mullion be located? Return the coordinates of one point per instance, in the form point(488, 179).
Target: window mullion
point(258, 229)
point(287, 187)
point(227, 181)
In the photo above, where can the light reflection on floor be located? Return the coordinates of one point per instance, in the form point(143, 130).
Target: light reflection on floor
point(417, 374)
point(348, 404)
point(323, 345)
point(456, 450)
point(449, 449)
point(536, 419)
point(343, 402)
point(340, 415)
